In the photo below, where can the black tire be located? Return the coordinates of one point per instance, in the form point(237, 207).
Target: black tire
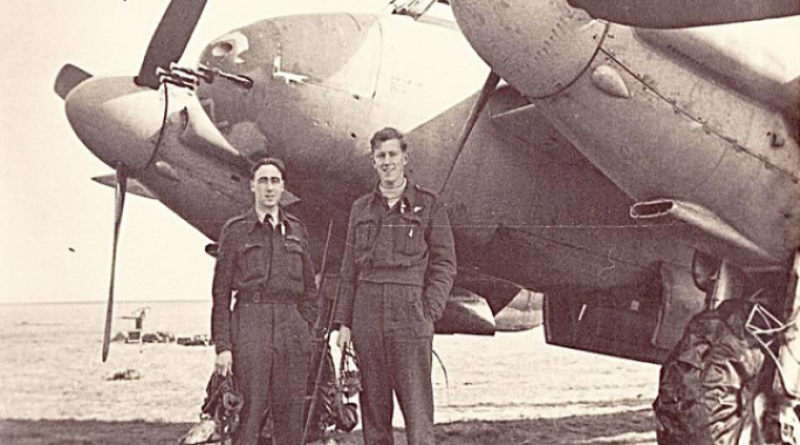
point(708, 383)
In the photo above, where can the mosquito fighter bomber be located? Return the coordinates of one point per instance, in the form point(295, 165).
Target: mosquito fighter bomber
point(634, 176)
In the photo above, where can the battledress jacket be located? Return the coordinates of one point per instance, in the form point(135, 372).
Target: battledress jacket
point(409, 244)
point(251, 268)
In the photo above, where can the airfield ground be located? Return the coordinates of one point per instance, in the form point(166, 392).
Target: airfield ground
point(508, 389)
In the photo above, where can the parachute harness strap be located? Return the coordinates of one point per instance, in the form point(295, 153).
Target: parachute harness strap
point(350, 378)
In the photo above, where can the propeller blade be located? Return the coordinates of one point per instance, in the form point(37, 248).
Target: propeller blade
point(486, 92)
point(170, 39)
point(68, 78)
point(685, 13)
point(119, 205)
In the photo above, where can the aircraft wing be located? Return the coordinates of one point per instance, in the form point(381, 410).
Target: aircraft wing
point(138, 189)
point(685, 13)
point(572, 238)
point(134, 186)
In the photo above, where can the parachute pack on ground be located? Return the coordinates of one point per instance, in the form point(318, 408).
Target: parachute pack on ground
point(223, 403)
point(219, 419)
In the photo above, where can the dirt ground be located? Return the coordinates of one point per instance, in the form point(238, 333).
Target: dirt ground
point(512, 388)
point(629, 428)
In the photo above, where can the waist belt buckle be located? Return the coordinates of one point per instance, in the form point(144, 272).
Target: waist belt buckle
point(256, 296)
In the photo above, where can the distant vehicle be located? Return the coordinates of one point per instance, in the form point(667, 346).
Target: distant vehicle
point(135, 335)
point(195, 340)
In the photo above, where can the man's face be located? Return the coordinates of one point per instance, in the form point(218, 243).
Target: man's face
point(390, 161)
point(267, 185)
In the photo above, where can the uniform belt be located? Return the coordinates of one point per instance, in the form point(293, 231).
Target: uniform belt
point(262, 297)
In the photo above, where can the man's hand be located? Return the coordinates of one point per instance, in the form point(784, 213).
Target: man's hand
point(224, 363)
point(343, 337)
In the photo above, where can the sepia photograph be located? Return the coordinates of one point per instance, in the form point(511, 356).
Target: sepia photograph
point(379, 222)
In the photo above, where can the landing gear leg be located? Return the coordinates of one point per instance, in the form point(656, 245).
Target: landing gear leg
point(708, 384)
point(728, 285)
point(787, 376)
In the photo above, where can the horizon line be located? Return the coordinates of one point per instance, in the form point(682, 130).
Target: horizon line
point(20, 303)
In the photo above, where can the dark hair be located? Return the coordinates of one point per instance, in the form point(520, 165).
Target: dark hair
point(386, 134)
point(269, 161)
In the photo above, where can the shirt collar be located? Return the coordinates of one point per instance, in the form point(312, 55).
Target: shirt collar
point(276, 213)
point(408, 199)
point(254, 220)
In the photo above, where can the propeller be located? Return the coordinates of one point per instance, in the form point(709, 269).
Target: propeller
point(170, 39)
point(166, 46)
point(68, 78)
point(480, 103)
point(119, 206)
point(685, 13)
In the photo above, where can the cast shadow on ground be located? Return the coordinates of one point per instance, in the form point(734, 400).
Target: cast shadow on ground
point(634, 427)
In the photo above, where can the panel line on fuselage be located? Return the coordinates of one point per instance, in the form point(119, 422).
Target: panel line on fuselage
point(734, 143)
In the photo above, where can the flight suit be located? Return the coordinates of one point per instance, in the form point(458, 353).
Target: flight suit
point(269, 273)
point(397, 273)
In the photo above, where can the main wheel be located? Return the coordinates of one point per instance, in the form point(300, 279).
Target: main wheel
point(709, 382)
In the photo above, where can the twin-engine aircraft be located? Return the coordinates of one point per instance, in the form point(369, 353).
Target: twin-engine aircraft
point(311, 89)
point(635, 176)
point(697, 126)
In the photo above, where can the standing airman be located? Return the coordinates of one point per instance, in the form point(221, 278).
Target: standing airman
point(263, 264)
point(397, 272)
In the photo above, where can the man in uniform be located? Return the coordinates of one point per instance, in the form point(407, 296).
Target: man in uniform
point(263, 260)
point(397, 273)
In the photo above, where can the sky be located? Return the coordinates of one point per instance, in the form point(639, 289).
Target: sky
point(56, 224)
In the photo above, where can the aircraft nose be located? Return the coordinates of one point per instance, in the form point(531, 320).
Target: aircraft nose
point(538, 46)
point(117, 120)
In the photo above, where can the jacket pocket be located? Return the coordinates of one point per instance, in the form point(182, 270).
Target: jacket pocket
point(294, 260)
point(408, 235)
point(252, 260)
point(365, 232)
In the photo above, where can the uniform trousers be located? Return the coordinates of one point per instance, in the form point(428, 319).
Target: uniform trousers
point(393, 337)
point(271, 352)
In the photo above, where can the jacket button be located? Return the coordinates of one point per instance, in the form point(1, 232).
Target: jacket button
point(256, 297)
